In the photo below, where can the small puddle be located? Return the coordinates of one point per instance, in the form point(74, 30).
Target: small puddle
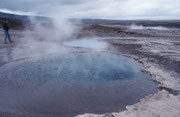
point(69, 84)
point(94, 44)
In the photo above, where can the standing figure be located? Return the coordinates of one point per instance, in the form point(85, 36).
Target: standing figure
point(6, 31)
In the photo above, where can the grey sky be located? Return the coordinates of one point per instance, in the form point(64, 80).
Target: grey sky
point(112, 9)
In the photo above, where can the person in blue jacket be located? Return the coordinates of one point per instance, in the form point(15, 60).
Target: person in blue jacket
point(6, 31)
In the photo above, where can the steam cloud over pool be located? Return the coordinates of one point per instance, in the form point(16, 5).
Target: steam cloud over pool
point(69, 84)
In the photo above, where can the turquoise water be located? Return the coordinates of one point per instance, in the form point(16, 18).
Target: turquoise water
point(87, 44)
point(72, 83)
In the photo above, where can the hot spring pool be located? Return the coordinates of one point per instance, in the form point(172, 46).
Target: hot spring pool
point(72, 83)
point(86, 43)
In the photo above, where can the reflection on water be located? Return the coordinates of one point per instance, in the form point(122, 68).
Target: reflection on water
point(72, 83)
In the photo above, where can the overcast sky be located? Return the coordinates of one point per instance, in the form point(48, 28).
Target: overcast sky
point(110, 9)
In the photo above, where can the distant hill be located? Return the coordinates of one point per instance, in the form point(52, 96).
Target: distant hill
point(22, 21)
point(19, 21)
point(12, 16)
point(166, 23)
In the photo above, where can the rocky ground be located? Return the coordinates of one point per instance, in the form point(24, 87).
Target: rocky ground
point(157, 49)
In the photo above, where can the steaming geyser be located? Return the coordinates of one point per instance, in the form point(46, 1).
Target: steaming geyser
point(72, 83)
